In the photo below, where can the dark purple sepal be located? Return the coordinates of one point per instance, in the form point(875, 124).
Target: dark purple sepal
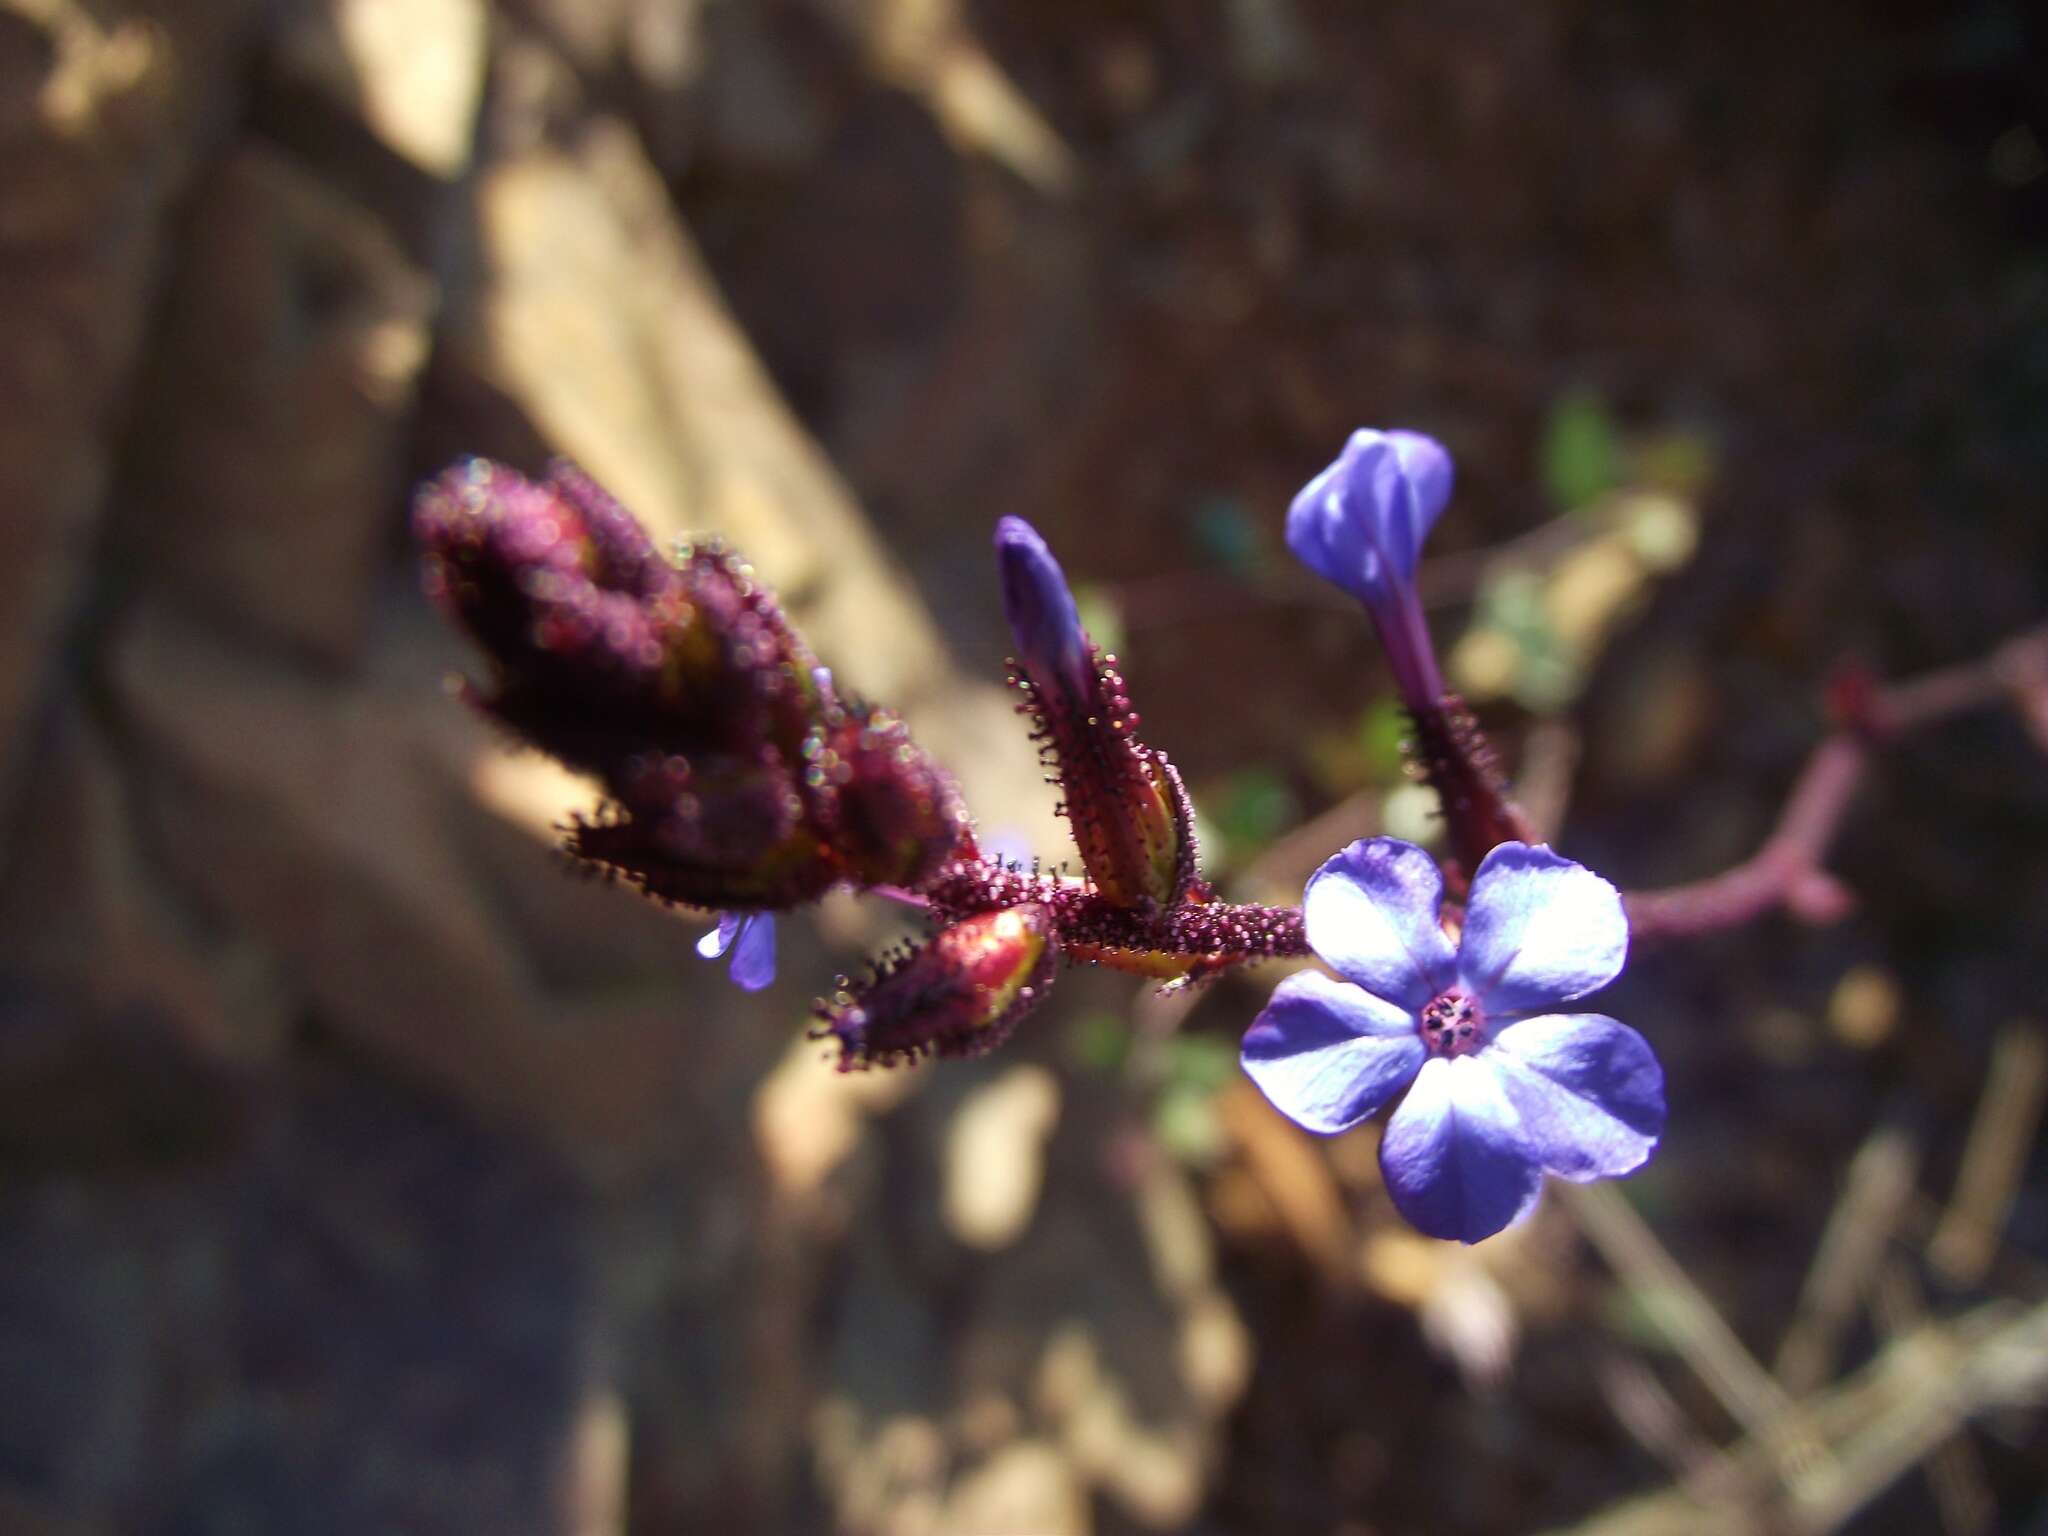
point(1132, 823)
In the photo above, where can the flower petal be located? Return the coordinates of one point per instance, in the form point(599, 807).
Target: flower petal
point(753, 952)
point(1336, 525)
point(1328, 1054)
point(1539, 930)
point(1453, 1155)
point(1589, 1091)
point(1361, 522)
point(1371, 913)
point(718, 940)
point(1427, 467)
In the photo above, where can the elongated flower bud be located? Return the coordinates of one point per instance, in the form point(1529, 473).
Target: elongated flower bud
point(1040, 609)
point(1360, 524)
point(1131, 818)
point(959, 994)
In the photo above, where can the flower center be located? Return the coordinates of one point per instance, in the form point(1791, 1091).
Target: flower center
point(1452, 1025)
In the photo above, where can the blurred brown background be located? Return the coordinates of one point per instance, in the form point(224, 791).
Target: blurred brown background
point(360, 1170)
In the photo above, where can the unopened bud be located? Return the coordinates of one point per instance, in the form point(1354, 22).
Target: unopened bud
point(959, 994)
point(1132, 821)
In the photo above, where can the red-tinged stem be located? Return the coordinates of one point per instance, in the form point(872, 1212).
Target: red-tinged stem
point(1459, 766)
point(1786, 872)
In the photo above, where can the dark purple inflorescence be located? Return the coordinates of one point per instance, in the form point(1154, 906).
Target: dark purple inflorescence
point(739, 779)
point(742, 782)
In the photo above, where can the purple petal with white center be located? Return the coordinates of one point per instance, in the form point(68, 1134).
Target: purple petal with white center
point(1589, 1091)
point(1539, 931)
point(1327, 1054)
point(1371, 913)
point(1453, 1155)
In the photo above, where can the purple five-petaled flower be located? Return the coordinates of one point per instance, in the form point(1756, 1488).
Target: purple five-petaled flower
point(1360, 524)
point(1503, 1086)
point(751, 938)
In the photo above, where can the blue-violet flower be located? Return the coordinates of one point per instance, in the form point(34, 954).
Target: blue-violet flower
point(750, 936)
point(1502, 1086)
point(1361, 523)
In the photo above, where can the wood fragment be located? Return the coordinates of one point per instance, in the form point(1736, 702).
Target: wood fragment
point(1955, 1471)
point(1692, 1325)
point(1875, 1425)
point(1865, 1218)
point(1995, 1157)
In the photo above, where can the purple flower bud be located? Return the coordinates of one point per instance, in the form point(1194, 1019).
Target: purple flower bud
point(1361, 523)
point(960, 994)
point(1132, 821)
point(1051, 648)
point(622, 556)
point(603, 646)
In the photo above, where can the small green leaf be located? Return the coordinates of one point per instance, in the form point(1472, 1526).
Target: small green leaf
point(1184, 1121)
point(1203, 1062)
point(1255, 806)
point(1098, 1042)
point(1225, 535)
point(1582, 452)
point(1382, 730)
